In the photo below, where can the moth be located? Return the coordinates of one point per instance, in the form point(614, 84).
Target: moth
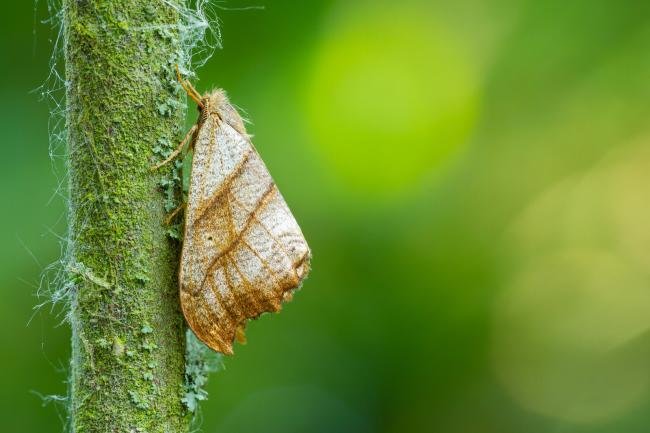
point(243, 252)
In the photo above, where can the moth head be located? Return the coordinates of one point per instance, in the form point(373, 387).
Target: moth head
point(217, 103)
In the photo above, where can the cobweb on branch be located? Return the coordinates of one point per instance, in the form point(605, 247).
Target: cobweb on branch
point(198, 37)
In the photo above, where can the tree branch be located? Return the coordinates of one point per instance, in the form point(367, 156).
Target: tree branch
point(123, 104)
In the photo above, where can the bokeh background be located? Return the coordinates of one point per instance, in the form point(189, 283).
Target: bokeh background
point(474, 180)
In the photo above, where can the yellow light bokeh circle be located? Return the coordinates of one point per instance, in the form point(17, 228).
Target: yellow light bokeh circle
point(571, 328)
point(564, 335)
point(391, 97)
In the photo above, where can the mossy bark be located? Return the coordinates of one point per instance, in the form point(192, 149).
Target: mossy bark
point(128, 334)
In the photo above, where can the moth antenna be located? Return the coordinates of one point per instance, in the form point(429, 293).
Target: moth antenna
point(189, 89)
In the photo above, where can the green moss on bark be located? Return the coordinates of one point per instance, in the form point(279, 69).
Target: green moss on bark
point(128, 335)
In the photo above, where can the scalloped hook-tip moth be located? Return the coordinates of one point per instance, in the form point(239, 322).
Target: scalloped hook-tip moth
point(243, 252)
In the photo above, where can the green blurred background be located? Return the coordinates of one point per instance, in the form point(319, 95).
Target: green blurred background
point(473, 178)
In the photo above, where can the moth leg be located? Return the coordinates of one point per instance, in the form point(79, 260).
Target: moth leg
point(178, 150)
point(189, 89)
point(175, 212)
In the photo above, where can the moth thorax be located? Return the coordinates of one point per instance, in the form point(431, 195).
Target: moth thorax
point(217, 103)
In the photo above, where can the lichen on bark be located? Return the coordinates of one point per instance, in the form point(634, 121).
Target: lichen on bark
point(123, 106)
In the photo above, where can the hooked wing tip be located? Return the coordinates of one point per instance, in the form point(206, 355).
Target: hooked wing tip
point(219, 322)
point(220, 335)
point(226, 349)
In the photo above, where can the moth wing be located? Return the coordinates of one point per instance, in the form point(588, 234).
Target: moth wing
point(243, 251)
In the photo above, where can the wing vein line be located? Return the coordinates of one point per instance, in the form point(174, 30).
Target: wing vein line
point(271, 235)
point(259, 205)
point(247, 283)
point(225, 186)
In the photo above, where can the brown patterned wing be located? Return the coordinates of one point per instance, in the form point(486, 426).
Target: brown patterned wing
point(243, 252)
